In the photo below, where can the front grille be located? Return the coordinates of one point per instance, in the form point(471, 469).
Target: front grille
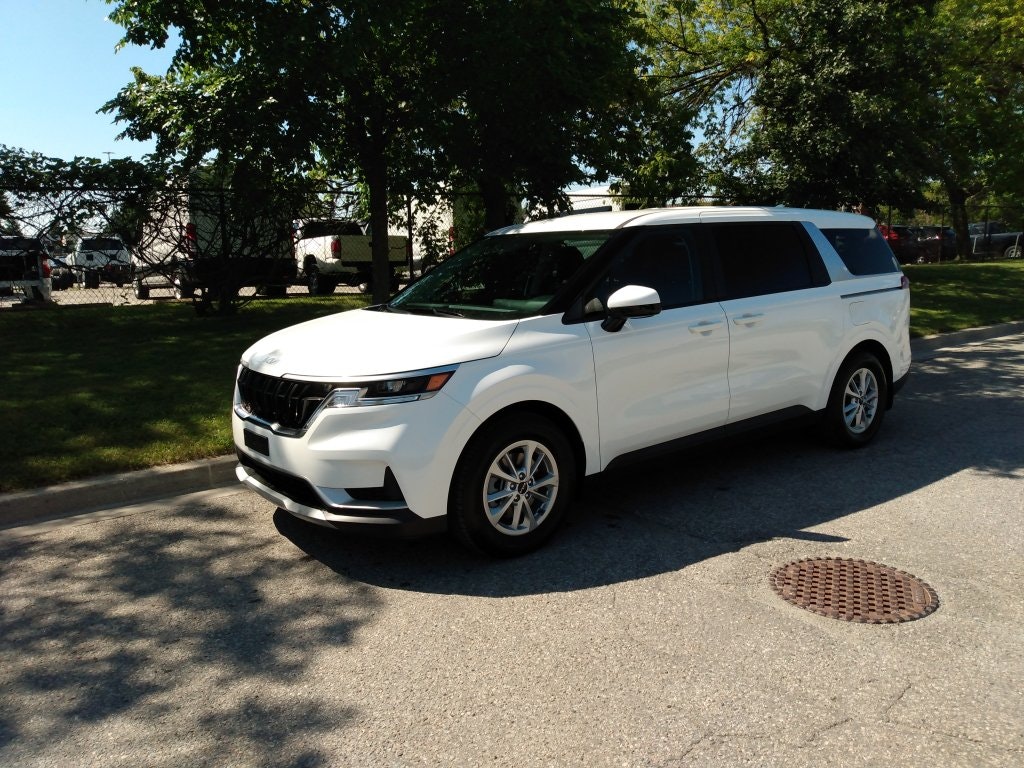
point(282, 402)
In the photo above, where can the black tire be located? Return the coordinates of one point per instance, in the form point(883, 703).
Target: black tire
point(91, 279)
point(1013, 252)
point(857, 402)
point(317, 284)
point(140, 289)
point(519, 526)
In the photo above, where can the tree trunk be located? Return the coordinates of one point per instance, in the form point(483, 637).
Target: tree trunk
point(497, 212)
point(376, 170)
point(958, 210)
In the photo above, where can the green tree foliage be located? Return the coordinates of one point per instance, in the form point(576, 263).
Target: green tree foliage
point(8, 224)
point(271, 90)
point(512, 97)
point(537, 96)
point(814, 102)
point(977, 105)
point(64, 198)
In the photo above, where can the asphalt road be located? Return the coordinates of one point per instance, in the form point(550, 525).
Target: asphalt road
point(212, 630)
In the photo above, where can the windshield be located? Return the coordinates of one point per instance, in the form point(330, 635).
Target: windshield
point(501, 277)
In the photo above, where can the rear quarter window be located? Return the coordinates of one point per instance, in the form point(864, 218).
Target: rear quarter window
point(864, 251)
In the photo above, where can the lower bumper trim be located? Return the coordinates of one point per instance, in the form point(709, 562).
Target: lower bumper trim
point(397, 522)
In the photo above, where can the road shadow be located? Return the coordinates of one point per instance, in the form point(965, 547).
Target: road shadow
point(959, 411)
point(181, 630)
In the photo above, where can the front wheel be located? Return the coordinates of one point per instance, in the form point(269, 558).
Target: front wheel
point(512, 486)
point(857, 402)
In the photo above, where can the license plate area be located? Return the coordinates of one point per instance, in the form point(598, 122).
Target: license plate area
point(258, 443)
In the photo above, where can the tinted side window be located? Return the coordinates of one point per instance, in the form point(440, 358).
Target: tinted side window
point(864, 251)
point(667, 261)
point(762, 258)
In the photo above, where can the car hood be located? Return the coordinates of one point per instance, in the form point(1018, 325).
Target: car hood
point(365, 342)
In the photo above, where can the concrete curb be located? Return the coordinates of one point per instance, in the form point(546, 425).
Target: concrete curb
point(161, 482)
point(926, 346)
point(121, 489)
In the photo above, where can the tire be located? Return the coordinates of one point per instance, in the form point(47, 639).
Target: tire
point(1013, 252)
point(857, 402)
point(318, 285)
point(518, 518)
point(140, 290)
point(91, 279)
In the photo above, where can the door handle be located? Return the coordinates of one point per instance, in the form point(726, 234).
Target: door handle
point(704, 327)
point(748, 319)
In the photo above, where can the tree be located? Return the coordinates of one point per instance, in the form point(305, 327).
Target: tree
point(529, 108)
point(408, 95)
point(813, 103)
point(56, 197)
point(8, 224)
point(977, 103)
point(271, 90)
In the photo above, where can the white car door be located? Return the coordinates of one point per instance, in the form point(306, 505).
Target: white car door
point(785, 321)
point(663, 377)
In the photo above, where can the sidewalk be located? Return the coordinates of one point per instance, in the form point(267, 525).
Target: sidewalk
point(145, 485)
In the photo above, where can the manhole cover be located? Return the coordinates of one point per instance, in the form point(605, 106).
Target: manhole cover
point(854, 590)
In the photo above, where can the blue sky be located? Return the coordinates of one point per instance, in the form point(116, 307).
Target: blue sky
point(57, 67)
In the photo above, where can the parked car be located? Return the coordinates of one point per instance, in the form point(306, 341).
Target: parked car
point(935, 244)
point(101, 259)
point(24, 268)
point(902, 239)
point(480, 396)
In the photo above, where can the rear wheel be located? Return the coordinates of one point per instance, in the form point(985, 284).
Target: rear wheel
point(140, 289)
point(1013, 252)
point(317, 284)
point(857, 403)
point(512, 486)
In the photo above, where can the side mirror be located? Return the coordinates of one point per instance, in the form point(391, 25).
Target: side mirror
point(630, 301)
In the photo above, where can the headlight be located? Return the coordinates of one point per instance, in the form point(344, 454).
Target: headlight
point(400, 389)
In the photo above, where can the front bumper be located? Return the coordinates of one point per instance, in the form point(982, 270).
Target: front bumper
point(378, 466)
point(295, 496)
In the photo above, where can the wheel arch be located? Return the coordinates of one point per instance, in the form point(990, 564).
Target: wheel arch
point(552, 413)
point(878, 351)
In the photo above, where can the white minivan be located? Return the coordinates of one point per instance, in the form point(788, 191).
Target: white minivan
point(479, 397)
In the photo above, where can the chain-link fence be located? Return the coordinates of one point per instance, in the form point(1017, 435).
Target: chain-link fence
point(210, 245)
point(206, 244)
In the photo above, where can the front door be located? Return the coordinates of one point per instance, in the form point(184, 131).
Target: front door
point(663, 377)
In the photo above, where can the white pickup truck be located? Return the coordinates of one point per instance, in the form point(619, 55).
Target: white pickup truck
point(338, 251)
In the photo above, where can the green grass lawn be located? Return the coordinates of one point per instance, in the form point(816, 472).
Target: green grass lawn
point(951, 297)
point(91, 390)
